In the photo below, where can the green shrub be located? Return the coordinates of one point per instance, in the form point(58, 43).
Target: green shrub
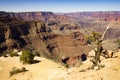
point(15, 71)
point(13, 54)
point(94, 36)
point(27, 57)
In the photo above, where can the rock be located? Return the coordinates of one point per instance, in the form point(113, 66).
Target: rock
point(74, 60)
point(96, 68)
point(1, 68)
point(20, 53)
point(15, 50)
point(34, 35)
point(91, 53)
point(110, 53)
point(102, 16)
point(111, 63)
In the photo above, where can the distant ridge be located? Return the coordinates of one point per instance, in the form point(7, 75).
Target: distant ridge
point(100, 15)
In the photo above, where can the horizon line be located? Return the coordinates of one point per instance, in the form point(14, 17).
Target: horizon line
point(61, 11)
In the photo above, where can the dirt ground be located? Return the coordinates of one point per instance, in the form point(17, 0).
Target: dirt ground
point(49, 70)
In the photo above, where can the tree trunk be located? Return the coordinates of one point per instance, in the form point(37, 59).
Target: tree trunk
point(97, 53)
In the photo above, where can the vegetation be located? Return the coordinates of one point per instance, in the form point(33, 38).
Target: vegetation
point(13, 54)
point(95, 37)
point(27, 57)
point(16, 70)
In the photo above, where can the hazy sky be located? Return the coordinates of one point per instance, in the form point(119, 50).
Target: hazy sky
point(59, 5)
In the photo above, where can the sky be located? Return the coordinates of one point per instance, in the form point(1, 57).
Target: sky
point(59, 5)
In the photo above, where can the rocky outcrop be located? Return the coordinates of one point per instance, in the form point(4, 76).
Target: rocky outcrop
point(105, 16)
point(65, 18)
point(35, 35)
point(74, 60)
point(16, 35)
point(38, 16)
point(25, 30)
point(42, 16)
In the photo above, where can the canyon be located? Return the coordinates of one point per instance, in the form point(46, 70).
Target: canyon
point(61, 41)
point(55, 35)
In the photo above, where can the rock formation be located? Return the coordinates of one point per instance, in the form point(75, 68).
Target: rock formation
point(36, 31)
point(35, 35)
point(105, 16)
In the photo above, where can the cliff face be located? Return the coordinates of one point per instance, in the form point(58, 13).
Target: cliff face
point(64, 18)
point(34, 35)
point(28, 16)
point(16, 35)
point(38, 16)
point(43, 16)
point(27, 31)
point(105, 16)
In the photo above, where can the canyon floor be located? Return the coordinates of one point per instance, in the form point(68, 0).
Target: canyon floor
point(49, 70)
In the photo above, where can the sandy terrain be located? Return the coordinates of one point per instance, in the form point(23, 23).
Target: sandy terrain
point(49, 70)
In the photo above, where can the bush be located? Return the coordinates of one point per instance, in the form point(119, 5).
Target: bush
point(13, 54)
point(15, 71)
point(27, 57)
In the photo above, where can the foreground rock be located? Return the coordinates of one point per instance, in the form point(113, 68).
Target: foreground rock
point(50, 70)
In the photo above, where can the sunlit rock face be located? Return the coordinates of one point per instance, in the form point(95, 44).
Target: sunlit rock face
point(36, 36)
point(52, 34)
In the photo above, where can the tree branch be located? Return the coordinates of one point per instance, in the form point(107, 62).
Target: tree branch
point(105, 33)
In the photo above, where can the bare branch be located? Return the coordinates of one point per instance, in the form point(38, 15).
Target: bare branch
point(105, 33)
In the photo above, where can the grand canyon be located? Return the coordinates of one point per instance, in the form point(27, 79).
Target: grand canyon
point(58, 36)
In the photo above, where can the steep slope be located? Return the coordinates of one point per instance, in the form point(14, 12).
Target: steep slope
point(59, 34)
point(36, 36)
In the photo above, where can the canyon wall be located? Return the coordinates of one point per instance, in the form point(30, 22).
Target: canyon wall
point(105, 15)
point(36, 36)
point(35, 31)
